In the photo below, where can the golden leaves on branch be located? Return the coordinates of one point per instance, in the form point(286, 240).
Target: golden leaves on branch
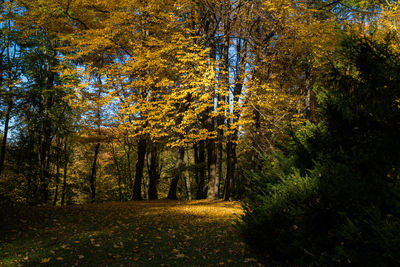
point(157, 75)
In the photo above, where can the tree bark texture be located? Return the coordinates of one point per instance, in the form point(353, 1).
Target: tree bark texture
point(141, 153)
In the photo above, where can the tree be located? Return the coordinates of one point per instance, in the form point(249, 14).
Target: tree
point(338, 209)
point(10, 67)
point(225, 78)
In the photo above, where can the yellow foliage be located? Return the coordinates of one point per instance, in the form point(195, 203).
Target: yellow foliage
point(147, 64)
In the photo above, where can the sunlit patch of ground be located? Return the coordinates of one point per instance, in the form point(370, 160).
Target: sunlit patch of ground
point(144, 233)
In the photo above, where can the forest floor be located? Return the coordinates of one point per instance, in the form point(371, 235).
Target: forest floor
point(141, 233)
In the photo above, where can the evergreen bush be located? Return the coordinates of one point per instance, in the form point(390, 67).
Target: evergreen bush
point(340, 203)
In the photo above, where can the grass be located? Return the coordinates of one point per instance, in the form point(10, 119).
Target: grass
point(145, 233)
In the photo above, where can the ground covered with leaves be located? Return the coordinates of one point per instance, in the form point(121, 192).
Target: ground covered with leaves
point(145, 233)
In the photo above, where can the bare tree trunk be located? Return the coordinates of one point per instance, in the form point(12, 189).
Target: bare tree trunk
point(44, 160)
point(212, 192)
point(58, 155)
point(196, 163)
point(211, 151)
point(153, 170)
point(177, 174)
point(231, 156)
point(218, 160)
point(64, 190)
point(57, 181)
point(230, 170)
point(187, 176)
point(93, 173)
point(201, 169)
point(46, 138)
point(114, 154)
point(4, 139)
point(215, 161)
point(129, 163)
point(66, 159)
point(137, 192)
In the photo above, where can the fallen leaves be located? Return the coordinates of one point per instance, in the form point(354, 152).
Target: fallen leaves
point(45, 260)
point(180, 255)
point(195, 233)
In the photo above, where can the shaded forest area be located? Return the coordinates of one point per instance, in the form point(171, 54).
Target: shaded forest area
point(292, 107)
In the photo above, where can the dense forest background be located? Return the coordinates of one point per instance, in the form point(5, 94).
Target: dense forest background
point(291, 106)
point(121, 100)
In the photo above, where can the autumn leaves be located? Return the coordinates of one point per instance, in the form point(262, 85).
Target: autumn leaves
point(216, 76)
point(130, 233)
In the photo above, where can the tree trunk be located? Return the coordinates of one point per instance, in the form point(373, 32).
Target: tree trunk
point(145, 184)
point(141, 153)
point(114, 154)
point(28, 172)
point(44, 160)
point(4, 139)
point(213, 182)
point(57, 181)
point(64, 190)
point(187, 176)
point(47, 102)
point(66, 158)
point(310, 97)
point(201, 170)
point(93, 174)
point(212, 192)
point(153, 170)
point(231, 157)
point(177, 175)
point(119, 185)
point(58, 155)
point(256, 139)
point(196, 163)
point(128, 144)
point(230, 170)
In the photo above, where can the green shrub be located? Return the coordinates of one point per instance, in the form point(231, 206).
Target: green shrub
point(340, 202)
